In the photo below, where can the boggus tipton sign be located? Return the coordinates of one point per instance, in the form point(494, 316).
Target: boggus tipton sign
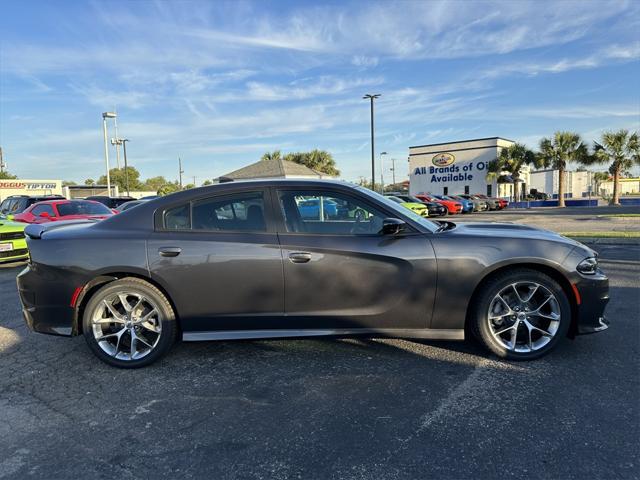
point(26, 185)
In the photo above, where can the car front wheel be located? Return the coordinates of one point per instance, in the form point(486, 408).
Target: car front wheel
point(129, 323)
point(521, 314)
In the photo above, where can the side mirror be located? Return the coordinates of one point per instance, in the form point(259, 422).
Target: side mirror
point(44, 215)
point(392, 226)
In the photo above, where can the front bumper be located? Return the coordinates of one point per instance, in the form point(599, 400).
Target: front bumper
point(594, 296)
point(18, 251)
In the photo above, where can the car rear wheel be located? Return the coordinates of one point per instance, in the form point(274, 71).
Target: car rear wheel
point(521, 314)
point(129, 323)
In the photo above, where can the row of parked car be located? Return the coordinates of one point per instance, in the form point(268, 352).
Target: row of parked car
point(428, 205)
point(17, 211)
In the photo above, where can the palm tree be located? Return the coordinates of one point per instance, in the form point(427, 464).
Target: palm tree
point(558, 151)
point(275, 155)
point(318, 160)
point(622, 151)
point(510, 161)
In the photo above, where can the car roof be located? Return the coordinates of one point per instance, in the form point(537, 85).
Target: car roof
point(65, 200)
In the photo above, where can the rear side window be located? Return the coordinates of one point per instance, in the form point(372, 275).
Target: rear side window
point(239, 212)
point(82, 208)
point(177, 218)
point(38, 209)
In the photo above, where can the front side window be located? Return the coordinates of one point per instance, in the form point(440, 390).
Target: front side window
point(320, 212)
point(238, 212)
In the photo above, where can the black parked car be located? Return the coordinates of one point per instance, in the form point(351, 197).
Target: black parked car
point(15, 204)
point(237, 260)
point(111, 202)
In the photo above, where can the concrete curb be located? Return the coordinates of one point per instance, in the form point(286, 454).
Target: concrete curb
point(607, 240)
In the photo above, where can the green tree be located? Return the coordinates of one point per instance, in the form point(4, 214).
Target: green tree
point(510, 161)
point(622, 151)
point(207, 182)
point(154, 183)
point(275, 155)
point(4, 175)
point(558, 151)
point(189, 186)
point(318, 160)
point(118, 176)
point(90, 182)
point(168, 188)
point(68, 183)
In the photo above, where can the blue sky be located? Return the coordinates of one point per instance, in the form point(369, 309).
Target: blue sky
point(220, 83)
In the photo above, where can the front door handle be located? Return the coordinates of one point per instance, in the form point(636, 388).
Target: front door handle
point(169, 251)
point(299, 257)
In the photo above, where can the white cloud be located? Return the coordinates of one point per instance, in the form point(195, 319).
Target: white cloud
point(364, 61)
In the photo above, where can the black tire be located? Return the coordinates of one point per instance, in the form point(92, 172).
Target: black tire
point(479, 312)
point(166, 319)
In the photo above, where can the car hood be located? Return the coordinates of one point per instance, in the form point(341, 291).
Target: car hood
point(419, 206)
point(9, 226)
point(509, 230)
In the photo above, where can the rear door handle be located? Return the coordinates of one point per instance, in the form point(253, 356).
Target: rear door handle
point(169, 251)
point(299, 257)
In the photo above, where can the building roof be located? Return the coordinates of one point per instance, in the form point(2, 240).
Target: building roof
point(273, 168)
point(462, 141)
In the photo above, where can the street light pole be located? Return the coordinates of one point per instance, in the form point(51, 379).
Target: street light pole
point(180, 171)
point(126, 171)
point(382, 172)
point(373, 154)
point(106, 115)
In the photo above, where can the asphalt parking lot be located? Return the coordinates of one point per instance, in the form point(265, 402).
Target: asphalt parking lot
point(357, 408)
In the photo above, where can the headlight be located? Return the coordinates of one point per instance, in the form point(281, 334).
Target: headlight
point(588, 266)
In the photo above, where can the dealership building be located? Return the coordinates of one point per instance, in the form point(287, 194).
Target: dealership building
point(454, 168)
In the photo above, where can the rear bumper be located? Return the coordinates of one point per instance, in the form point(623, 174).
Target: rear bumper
point(594, 297)
point(41, 314)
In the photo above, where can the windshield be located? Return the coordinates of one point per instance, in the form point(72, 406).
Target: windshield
point(428, 224)
point(82, 208)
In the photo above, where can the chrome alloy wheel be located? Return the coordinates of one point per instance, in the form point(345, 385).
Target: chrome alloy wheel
point(524, 317)
point(127, 325)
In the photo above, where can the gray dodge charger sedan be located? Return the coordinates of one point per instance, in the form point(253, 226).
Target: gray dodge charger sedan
point(297, 258)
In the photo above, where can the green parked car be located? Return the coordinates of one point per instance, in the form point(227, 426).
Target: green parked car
point(13, 245)
point(419, 208)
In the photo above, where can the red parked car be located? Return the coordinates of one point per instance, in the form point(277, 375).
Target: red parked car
point(55, 210)
point(451, 206)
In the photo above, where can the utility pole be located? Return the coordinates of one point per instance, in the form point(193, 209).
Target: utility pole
point(180, 171)
point(194, 180)
point(393, 169)
point(2, 164)
point(126, 171)
point(115, 126)
point(373, 152)
point(382, 172)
